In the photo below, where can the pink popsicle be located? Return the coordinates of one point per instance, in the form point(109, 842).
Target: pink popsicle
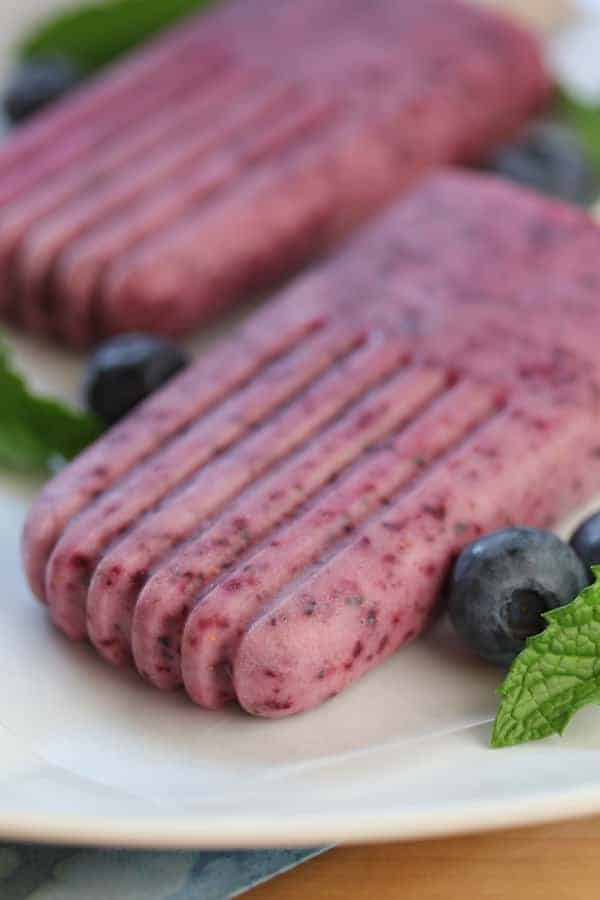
point(296, 515)
point(164, 246)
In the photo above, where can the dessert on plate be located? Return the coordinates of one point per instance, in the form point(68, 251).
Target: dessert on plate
point(281, 517)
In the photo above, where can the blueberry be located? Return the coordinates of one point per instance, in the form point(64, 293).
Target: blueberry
point(586, 541)
point(550, 158)
point(38, 82)
point(127, 369)
point(503, 583)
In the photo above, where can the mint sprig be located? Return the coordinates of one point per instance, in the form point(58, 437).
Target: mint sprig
point(556, 674)
point(96, 33)
point(37, 432)
point(585, 120)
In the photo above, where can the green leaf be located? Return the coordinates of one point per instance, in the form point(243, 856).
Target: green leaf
point(96, 33)
point(557, 673)
point(585, 120)
point(37, 431)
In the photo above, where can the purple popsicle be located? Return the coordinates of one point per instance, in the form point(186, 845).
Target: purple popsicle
point(96, 239)
point(292, 522)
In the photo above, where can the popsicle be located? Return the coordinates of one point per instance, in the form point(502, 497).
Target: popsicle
point(228, 153)
point(281, 517)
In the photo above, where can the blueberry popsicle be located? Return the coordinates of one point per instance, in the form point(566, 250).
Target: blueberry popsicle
point(269, 336)
point(280, 518)
point(76, 554)
point(269, 502)
point(224, 156)
point(362, 599)
point(218, 622)
point(113, 592)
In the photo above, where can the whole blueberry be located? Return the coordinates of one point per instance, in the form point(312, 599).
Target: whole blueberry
point(503, 583)
point(586, 541)
point(37, 83)
point(550, 158)
point(125, 370)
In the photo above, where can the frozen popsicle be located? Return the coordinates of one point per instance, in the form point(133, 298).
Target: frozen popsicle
point(281, 517)
point(228, 153)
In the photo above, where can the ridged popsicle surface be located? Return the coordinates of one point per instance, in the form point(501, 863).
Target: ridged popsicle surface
point(281, 517)
point(227, 154)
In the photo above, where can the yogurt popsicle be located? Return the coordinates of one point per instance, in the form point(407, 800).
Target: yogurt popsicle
point(281, 517)
point(225, 155)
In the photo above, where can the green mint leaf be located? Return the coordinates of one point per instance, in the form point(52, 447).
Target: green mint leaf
point(96, 33)
point(37, 431)
point(556, 674)
point(585, 120)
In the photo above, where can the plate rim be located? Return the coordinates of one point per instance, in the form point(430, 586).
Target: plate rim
point(224, 831)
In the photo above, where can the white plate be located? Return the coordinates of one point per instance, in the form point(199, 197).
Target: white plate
point(89, 754)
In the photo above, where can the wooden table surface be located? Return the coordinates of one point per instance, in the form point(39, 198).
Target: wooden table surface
point(553, 862)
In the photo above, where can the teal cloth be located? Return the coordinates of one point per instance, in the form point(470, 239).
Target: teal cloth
point(29, 872)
